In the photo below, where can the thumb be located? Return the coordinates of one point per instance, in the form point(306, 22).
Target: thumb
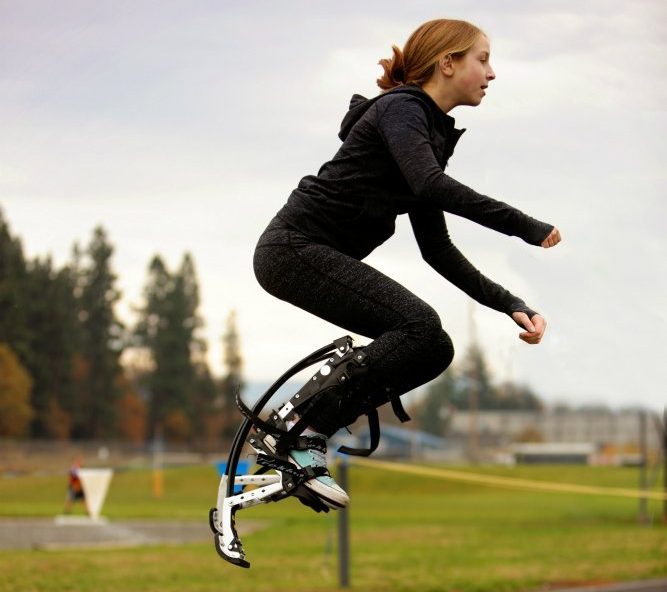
point(523, 320)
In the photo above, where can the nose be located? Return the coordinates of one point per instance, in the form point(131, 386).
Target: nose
point(490, 75)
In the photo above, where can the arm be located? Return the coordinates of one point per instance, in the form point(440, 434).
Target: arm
point(404, 129)
point(439, 252)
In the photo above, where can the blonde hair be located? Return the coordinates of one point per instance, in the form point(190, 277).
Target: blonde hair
point(415, 64)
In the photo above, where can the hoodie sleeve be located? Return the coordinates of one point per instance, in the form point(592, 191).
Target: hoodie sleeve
point(437, 249)
point(404, 128)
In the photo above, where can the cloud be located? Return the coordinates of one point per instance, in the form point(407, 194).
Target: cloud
point(184, 127)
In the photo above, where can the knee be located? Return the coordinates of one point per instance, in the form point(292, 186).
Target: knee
point(444, 349)
point(435, 347)
point(425, 328)
point(261, 267)
point(272, 270)
point(437, 356)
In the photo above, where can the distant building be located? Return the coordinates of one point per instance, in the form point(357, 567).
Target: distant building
point(553, 453)
point(599, 436)
point(600, 427)
point(399, 442)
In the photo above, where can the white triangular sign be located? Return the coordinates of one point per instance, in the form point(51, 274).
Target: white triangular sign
point(95, 484)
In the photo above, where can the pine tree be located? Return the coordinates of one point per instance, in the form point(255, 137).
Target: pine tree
point(102, 339)
point(38, 321)
point(207, 419)
point(14, 328)
point(233, 379)
point(469, 386)
point(148, 334)
point(168, 328)
point(132, 413)
point(478, 382)
point(517, 396)
point(434, 411)
point(53, 330)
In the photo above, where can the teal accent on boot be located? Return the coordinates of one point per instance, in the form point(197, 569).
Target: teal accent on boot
point(324, 486)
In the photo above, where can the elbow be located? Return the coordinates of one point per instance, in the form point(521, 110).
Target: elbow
point(426, 188)
point(430, 258)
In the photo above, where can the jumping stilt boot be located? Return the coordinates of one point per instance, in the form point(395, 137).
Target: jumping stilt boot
point(288, 435)
point(291, 444)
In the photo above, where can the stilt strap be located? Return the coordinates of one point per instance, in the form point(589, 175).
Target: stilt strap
point(336, 372)
point(373, 432)
point(293, 476)
point(397, 408)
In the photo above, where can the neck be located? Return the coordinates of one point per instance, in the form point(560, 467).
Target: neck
point(440, 96)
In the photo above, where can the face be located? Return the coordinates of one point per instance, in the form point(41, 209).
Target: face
point(471, 74)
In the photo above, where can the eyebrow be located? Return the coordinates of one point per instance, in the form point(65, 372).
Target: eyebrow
point(485, 53)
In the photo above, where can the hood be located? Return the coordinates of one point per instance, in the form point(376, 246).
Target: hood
point(360, 104)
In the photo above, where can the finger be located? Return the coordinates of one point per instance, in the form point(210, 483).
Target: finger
point(521, 318)
point(534, 335)
point(537, 334)
point(539, 323)
point(527, 323)
point(530, 334)
point(552, 239)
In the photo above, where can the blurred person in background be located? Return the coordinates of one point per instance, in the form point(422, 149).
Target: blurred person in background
point(74, 487)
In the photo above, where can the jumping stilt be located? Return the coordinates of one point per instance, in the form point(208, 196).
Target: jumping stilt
point(271, 440)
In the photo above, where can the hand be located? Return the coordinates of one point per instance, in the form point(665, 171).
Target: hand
point(535, 326)
point(552, 240)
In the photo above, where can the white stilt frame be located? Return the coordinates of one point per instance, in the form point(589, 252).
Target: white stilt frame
point(269, 487)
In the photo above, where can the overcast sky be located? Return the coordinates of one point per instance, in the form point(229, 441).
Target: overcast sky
point(183, 126)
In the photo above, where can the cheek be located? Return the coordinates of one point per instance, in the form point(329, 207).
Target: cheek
point(473, 75)
point(472, 79)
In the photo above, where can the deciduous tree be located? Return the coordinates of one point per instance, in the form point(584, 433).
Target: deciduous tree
point(15, 385)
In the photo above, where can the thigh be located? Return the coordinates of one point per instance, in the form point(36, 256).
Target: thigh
point(409, 346)
point(340, 289)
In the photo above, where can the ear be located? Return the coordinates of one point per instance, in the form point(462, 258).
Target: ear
point(446, 65)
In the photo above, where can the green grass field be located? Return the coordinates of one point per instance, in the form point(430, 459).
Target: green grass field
point(406, 534)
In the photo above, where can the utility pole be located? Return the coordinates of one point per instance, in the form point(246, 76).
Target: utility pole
point(643, 462)
point(158, 454)
point(664, 461)
point(662, 431)
point(343, 530)
point(473, 394)
point(661, 428)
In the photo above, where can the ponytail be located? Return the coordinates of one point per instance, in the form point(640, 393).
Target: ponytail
point(394, 70)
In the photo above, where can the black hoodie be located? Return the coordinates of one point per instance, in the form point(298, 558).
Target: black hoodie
point(395, 147)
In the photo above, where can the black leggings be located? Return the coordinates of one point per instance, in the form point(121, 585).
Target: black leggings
point(409, 348)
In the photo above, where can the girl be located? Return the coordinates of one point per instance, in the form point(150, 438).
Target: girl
point(395, 148)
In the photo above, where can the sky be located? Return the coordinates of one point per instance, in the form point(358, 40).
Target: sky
point(184, 126)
